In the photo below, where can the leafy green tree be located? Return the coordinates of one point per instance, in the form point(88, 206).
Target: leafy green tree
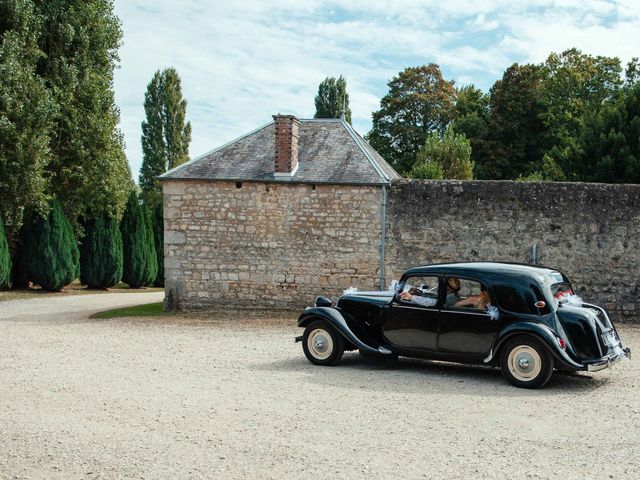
point(26, 113)
point(574, 88)
point(472, 110)
point(612, 140)
point(444, 156)
point(165, 135)
point(158, 236)
point(332, 92)
point(513, 139)
point(550, 172)
point(427, 170)
point(472, 113)
point(137, 242)
point(419, 102)
point(5, 258)
point(101, 253)
point(49, 253)
point(88, 169)
point(632, 72)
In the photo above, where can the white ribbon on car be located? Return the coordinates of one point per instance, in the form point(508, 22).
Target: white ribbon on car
point(373, 293)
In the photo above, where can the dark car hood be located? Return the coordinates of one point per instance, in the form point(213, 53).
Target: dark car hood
point(355, 299)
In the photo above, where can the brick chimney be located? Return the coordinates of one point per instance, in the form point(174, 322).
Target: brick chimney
point(286, 154)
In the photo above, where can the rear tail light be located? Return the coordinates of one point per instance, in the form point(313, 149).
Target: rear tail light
point(562, 343)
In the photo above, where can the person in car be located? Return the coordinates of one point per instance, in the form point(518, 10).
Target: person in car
point(416, 295)
point(480, 301)
point(453, 290)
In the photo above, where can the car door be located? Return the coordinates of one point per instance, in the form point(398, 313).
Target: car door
point(466, 330)
point(411, 326)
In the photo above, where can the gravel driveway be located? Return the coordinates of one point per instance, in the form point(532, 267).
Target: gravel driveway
point(231, 396)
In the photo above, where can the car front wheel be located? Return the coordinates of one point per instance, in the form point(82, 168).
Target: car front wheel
point(526, 362)
point(321, 343)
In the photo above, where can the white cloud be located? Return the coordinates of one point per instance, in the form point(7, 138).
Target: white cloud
point(242, 62)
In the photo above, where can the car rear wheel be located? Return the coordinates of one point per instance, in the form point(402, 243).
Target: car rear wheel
point(526, 362)
point(321, 343)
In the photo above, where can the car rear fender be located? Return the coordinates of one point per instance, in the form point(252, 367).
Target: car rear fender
point(539, 331)
point(357, 336)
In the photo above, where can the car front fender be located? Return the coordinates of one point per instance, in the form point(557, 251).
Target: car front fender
point(338, 320)
point(537, 330)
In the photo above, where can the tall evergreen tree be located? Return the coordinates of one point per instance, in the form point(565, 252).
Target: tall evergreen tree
point(165, 135)
point(332, 97)
point(137, 245)
point(152, 265)
point(5, 258)
point(158, 234)
point(89, 170)
point(101, 253)
point(26, 113)
point(420, 101)
point(49, 253)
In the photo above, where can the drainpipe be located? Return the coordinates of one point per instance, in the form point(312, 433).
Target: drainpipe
point(383, 226)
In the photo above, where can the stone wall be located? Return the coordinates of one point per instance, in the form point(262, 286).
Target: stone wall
point(267, 244)
point(590, 231)
point(283, 244)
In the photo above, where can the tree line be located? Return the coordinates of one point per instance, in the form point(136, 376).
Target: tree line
point(70, 209)
point(68, 206)
point(573, 117)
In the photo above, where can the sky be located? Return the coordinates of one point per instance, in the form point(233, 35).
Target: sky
point(243, 61)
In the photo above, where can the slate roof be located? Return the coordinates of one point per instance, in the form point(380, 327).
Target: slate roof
point(329, 151)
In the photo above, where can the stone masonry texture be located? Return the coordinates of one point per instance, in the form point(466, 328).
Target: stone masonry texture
point(589, 231)
point(278, 244)
point(267, 244)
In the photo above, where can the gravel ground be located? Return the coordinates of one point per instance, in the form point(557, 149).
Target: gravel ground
point(232, 396)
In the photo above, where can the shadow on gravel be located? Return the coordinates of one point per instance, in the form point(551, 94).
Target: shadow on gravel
point(433, 376)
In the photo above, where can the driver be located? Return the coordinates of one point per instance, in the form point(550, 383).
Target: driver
point(415, 295)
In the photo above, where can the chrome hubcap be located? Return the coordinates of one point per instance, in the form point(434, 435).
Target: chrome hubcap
point(320, 344)
point(524, 363)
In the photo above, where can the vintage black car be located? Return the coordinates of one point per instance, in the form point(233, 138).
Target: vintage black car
point(525, 319)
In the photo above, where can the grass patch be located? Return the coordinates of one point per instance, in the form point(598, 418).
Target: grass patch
point(146, 310)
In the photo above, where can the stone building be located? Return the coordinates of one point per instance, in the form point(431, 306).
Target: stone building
point(293, 209)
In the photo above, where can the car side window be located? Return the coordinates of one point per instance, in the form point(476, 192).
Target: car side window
point(526, 299)
point(468, 294)
point(422, 290)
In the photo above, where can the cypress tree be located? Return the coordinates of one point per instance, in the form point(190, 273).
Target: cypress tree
point(5, 258)
point(137, 243)
point(150, 244)
point(158, 235)
point(101, 253)
point(49, 255)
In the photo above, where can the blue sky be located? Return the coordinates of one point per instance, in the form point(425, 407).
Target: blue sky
point(243, 61)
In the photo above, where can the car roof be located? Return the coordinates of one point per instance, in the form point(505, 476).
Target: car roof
point(489, 270)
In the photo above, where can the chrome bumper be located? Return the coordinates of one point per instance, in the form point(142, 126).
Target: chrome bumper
point(608, 361)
